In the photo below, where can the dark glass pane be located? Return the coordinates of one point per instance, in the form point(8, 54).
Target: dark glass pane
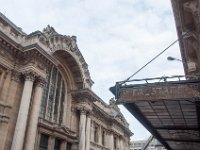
point(53, 96)
point(44, 95)
point(96, 134)
point(103, 138)
point(58, 87)
point(57, 144)
point(51, 93)
point(43, 142)
point(62, 101)
point(69, 146)
point(115, 142)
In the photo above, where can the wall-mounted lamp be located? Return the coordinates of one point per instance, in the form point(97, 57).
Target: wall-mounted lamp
point(172, 59)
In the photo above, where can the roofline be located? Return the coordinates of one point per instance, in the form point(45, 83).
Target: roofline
point(16, 28)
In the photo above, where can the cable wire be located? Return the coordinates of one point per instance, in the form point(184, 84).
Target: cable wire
point(153, 59)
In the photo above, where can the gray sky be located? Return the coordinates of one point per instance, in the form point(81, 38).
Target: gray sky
point(116, 37)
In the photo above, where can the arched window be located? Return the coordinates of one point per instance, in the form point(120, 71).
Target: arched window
point(53, 97)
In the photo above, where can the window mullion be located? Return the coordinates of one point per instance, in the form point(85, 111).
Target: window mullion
point(47, 100)
point(54, 96)
point(60, 92)
point(62, 98)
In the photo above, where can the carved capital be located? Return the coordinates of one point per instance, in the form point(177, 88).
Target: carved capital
point(29, 75)
point(83, 111)
point(40, 81)
point(84, 108)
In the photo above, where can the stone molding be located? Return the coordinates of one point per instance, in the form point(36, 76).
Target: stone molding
point(52, 128)
point(84, 95)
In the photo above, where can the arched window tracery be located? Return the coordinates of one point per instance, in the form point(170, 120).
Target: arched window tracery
point(53, 97)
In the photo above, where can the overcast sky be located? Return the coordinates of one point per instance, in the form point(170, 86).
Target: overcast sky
point(116, 37)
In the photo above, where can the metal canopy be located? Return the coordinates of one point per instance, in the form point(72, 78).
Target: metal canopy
point(170, 110)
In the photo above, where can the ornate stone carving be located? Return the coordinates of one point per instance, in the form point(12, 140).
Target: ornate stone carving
point(15, 76)
point(29, 75)
point(84, 108)
point(40, 81)
point(84, 95)
point(193, 7)
point(73, 43)
point(49, 31)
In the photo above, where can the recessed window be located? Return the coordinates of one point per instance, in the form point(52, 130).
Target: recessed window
point(103, 137)
point(96, 134)
point(43, 142)
point(53, 97)
point(57, 144)
point(69, 146)
point(115, 143)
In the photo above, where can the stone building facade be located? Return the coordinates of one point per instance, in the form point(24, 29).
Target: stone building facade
point(46, 101)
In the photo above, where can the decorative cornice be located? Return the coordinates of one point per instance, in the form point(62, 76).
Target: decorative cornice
point(84, 95)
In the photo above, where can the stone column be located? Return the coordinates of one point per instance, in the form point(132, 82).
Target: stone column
point(20, 128)
point(35, 110)
point(111, 141)
point(88, 129)
point(82, 129)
